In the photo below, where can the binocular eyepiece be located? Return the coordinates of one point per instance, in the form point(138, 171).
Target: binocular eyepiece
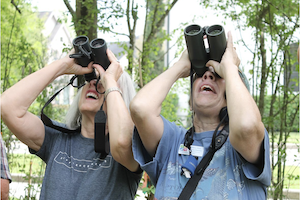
point(199, 55)
point(86, 52)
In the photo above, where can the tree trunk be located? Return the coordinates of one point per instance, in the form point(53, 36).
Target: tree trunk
point(85, 21)
point(264, 74)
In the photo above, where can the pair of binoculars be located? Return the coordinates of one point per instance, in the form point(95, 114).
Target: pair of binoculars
point(86, 52)
point(199, 55)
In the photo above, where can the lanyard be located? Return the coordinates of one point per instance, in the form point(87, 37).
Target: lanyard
point(216, 143)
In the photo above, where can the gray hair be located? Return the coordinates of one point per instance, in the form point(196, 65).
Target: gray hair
point(126, 85)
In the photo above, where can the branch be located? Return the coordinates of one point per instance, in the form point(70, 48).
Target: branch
point(285, 104)
point(70, 8)
point(134, 16)
point(15, 5)
point(167, 11)
point(118, 33)
point(283, 13)
point(127, 16)
point(153, 25)
point(162, 18)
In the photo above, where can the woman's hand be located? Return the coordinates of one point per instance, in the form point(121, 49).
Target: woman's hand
point(229, 59)
point(112, 73)
point(185, 63)
point(70, 67)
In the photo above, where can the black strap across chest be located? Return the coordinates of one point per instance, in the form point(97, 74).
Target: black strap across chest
point(217, 143)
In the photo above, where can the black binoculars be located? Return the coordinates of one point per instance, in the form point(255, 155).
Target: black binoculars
point(86, 52)
point(199, 55)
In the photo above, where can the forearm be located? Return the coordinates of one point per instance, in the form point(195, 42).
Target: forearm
point(149, 99)
point(246, 127)
point(16, 100)
point(4, 189)
point(120, 128)
point(21, 95)
point(146, 107)
point(242, 108)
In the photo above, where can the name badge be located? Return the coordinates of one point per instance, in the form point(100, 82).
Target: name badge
point(183, 150)
point(197, 151)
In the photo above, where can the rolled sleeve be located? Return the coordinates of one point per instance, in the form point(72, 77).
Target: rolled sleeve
point(154, 165)
point(263, 175)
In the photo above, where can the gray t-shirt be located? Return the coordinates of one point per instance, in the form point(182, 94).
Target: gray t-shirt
point(75, 171)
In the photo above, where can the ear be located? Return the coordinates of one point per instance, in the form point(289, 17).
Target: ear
point(191, 109)
point(223, 113)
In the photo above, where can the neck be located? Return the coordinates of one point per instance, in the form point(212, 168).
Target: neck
point(203, 123)
point(88, 127)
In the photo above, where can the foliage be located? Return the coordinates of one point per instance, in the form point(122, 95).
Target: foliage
point(275, 118)
point(169, 106)
point(21, 53)
point(23, 48)
point(154, 36)
point(31, 169)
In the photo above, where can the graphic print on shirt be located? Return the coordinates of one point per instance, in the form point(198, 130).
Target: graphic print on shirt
point(223, 184)
point(81, 165)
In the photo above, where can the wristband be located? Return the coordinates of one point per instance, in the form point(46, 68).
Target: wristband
point(111, 90)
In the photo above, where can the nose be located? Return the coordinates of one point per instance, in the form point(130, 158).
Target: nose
point(93, 82)
point(208, 75)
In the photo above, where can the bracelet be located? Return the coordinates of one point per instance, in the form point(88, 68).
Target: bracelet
point(111, 90)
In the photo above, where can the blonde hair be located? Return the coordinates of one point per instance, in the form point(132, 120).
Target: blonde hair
point(126, 85)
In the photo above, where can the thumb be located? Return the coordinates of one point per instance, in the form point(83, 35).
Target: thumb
point(99, 68)
point(212, 63)
point(86, 70)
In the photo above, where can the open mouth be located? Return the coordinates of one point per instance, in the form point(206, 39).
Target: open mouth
point(91, 95)
point(207, 88)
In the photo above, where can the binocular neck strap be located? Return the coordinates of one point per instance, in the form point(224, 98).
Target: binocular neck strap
point(189, 135)
point(101, 143)
point(48, 122)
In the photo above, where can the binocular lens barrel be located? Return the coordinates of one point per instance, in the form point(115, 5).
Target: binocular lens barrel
point(80, 40)
point(198, 54)
point(193, 30)
point(99, 55)
point(217, 42)
point(196, 48)
point(82, 55)
point(82, 47)
point(97, 43)
point(214, 30)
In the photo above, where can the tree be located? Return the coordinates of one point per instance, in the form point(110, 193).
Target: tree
point(145, 61)
point(273, 24)
point(23, 49)
point(84, 17)
point(153, 38)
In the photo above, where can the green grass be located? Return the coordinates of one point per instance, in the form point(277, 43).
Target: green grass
point(20, 164)
point(294, 137)
point(291, 178)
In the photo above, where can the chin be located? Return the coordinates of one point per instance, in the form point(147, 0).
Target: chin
point(89, 109)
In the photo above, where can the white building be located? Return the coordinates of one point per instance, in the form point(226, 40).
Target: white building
point(59, 37)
